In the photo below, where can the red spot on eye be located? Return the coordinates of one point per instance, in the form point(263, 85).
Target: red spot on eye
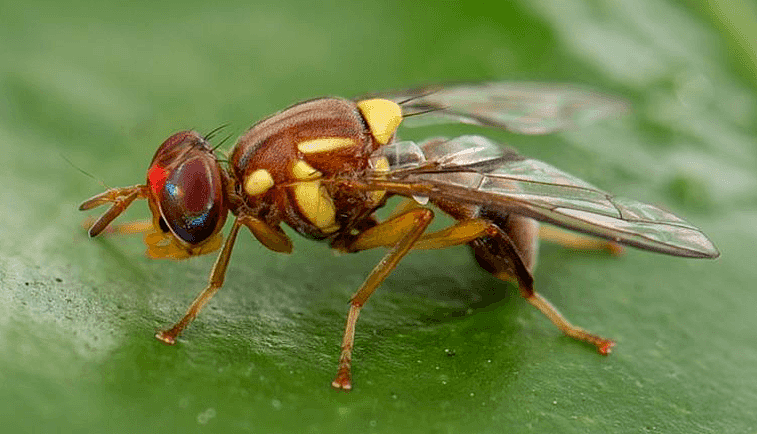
point(156, 177)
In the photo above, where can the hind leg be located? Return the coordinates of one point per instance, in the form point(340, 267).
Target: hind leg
point(510, 255)
point(576, 241)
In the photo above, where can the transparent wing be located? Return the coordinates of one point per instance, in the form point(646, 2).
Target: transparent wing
point(525, 108)
point(474, 169)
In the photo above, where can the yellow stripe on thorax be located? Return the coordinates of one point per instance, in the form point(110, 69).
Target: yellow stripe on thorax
point(312, 198)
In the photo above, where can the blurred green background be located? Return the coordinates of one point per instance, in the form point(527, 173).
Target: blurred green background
point(442, 347)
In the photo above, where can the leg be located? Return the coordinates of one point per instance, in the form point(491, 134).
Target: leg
point(405, 205)
point(272, 237)
point(214, 284)
point(387, 235)
point(496, 252)
point(130, 228)
point(121, 199)
point(604, 346)
point(500, 256)
point(576, 241)
point(413, 224)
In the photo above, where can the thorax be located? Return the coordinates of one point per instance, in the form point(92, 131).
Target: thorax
point(283, 167)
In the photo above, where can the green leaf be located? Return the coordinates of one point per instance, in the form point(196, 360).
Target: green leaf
point(442, 346)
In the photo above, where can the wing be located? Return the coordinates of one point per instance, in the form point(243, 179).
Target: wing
point(476, 170)
point(524, 108)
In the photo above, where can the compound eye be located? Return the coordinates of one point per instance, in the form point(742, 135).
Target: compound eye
point(191, 199)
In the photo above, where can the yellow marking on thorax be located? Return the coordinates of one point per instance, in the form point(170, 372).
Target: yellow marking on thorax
point(316, 205)
point(383, 117)
point(302, 170)
point(258, 182)
point(381, 166)
point(312, 198)
point(325, 144)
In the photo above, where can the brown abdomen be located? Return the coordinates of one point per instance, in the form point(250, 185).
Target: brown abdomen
point(494, 257)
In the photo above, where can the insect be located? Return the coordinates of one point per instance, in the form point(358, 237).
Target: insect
point(325, 166)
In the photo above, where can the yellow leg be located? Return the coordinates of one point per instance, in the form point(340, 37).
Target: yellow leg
point(522, 275)
point(387, 234)
point(604, 346)
point(461, 232)
point(121, 198)
point(130, 228)
point(214, 284)
point(413, 224)
point(577, 241)
point(405, 205)
point(392, 232)
point(272, 237)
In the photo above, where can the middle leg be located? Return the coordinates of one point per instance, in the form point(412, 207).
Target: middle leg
point(410, 226)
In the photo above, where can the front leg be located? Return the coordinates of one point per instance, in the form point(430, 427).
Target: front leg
point(215, 282)
point(128, 228)
point(121, 198)
point(272, 237)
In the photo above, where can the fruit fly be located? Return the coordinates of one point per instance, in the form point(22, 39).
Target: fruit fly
point(325, 166)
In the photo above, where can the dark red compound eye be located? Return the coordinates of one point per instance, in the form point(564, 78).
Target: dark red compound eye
point(191, 198)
